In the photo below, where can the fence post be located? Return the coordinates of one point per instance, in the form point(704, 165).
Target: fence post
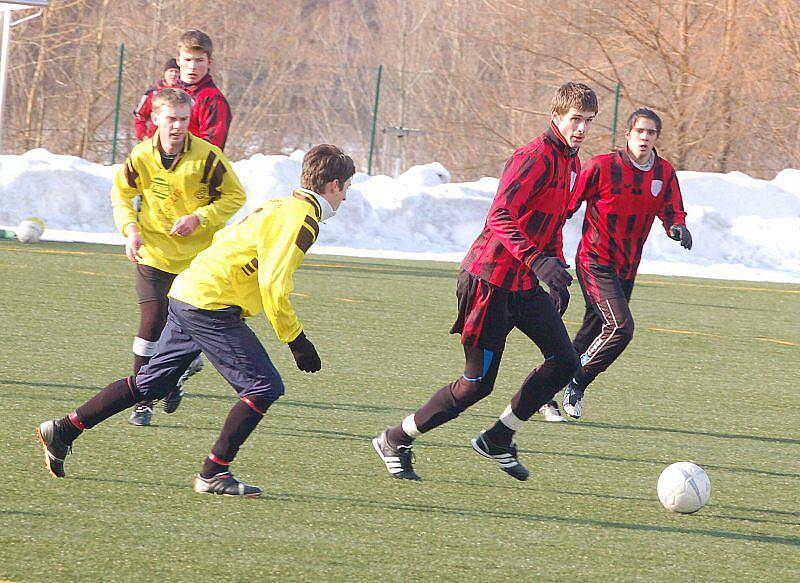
point(374, 119)
point(616, 112)
point(116, 109)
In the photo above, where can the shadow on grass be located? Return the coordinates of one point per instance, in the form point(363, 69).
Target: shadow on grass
point(525, 516)
point(708, 512)
point(148, 483)
point(22, 513)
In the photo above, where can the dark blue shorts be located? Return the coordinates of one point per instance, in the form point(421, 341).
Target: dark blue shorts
point(228, 344)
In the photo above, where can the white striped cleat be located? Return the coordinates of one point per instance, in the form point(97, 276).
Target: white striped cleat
point(505, 455)
point(225, 484)
point(398, 460)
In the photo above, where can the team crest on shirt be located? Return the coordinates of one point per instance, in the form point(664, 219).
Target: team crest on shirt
point(573, 176)
point(159, 187)
point(655, 187)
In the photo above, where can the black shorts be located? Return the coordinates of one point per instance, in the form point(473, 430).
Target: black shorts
point(487, 313)
point(152, 284)
point(600, 283)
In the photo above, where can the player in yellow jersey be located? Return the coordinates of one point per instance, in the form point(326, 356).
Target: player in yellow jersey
point(187, 190)
point(249, 267)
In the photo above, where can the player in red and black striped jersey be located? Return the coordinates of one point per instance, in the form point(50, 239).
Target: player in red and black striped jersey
point(624, 192)
point(499, 290)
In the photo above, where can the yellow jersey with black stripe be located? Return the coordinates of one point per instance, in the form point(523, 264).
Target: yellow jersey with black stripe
point(200, 181)
point(251, 264)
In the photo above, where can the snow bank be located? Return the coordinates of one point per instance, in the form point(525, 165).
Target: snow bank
point(743, 228)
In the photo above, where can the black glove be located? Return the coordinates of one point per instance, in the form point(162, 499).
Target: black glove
point(560, 297)
point(552, 271)
point(305, 355)
point(682, 234)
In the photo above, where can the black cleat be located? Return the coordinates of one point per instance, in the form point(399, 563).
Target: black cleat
point(398, 459)
point(505, 455)
point(225, 484)
point(55, 450)
point(173, 400)
point(141, 416)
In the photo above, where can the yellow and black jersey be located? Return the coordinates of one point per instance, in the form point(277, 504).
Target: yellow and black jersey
point(251, 264)
point(200, 181)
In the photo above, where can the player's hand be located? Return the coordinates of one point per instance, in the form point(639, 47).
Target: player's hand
point(682, 234)
point(305, 355)
point(560, 296)
point(186, 225)
point(133, 241)
point(552, 271)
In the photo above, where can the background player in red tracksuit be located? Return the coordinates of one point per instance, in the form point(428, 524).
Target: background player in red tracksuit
point(142, 124)
point(498, 289)
point(624, 192)
point(211, 114)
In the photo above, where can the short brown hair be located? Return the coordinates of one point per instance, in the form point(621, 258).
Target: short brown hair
point(644, 112)
point(577, 95)
point(171, 96)
point(195, 40)
point(323, 164)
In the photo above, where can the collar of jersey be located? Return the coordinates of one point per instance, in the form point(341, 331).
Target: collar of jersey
point(628, 161)
point(558, 140)
point(187, 144)
point(325, 207)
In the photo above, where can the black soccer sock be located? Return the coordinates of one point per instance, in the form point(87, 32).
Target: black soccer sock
point(499, 433)
point(243, 418)
point(69, 428)
point(116, 397)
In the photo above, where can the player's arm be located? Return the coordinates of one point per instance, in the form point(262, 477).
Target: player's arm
point(226, 191)
point(141, 116)
point(524, 177)
point(279, 256)
point(672, 214)
point(586, 187)
point(126, 187)
point(214, 119)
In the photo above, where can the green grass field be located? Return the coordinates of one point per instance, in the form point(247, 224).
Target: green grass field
point(711, 377)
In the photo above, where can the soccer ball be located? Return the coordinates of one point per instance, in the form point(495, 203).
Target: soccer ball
point(30, 230)
point(684, 487)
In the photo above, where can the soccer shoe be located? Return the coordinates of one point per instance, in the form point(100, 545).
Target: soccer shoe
point(398, 459)
point(55, 450)
point(225, 484)
point(573, 400)
point(173, 400)
point(505, 455)
point(549, 411)
point(141, 416)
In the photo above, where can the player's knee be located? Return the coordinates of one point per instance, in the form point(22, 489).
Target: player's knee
point(626, 329)
point(466, 392)
point(564, 366)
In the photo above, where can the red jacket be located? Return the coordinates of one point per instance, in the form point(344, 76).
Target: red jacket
point(211, 115)
point(142, 124)
point(622, 202)
point(527, 213)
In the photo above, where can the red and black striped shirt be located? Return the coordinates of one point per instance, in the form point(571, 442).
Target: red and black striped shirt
point(211, 114)
point(622, 202)
point(527, 213)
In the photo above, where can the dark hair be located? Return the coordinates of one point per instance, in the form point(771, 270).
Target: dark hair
point(577, 95)
point(195, 40)
point(323, 164)
point(644, 112)
point(171, 64)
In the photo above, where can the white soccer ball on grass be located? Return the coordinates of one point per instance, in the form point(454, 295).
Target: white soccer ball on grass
point(30, 230)
point(684, 487)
